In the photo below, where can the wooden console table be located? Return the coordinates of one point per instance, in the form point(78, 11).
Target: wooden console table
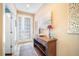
point(46, 46)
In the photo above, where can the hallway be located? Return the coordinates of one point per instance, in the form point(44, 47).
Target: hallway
point(51, 28)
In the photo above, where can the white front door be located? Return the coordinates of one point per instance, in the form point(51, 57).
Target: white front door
point(24, 28)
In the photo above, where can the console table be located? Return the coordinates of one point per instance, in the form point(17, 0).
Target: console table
point(45, 45)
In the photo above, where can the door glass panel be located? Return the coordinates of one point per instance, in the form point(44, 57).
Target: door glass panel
point(24, 26)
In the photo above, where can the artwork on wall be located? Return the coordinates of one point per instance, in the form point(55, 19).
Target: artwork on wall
point(43, 23)
point(73, 23)
point(45, 20)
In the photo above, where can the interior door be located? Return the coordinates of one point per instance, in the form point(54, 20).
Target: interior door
point(7, 33)
point(24, 28)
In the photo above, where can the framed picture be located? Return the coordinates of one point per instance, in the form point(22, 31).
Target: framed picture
point(73, 23)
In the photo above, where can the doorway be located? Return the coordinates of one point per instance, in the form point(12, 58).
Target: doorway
point(24, 28)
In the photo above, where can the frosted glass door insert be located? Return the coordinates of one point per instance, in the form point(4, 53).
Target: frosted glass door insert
point(24, 28)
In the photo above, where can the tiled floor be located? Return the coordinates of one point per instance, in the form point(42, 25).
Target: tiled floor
point(27, 50)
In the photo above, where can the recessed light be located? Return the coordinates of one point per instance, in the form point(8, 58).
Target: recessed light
point(27, 5)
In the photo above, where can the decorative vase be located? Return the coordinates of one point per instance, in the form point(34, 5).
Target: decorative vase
point(49, 33)
point(50, 28)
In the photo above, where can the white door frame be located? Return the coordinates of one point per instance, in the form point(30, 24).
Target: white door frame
point(23, 16)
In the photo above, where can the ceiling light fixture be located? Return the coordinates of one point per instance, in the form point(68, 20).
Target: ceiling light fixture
point(27, 5)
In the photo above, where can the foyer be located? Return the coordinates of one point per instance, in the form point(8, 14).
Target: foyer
point(38, 29)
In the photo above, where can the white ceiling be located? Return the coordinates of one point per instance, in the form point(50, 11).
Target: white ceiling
point(32, 9)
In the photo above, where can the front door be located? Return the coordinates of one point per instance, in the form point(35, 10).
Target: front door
point(24, 28)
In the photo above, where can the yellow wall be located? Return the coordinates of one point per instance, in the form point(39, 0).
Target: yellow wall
point(1, 16)
point(67, 44)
